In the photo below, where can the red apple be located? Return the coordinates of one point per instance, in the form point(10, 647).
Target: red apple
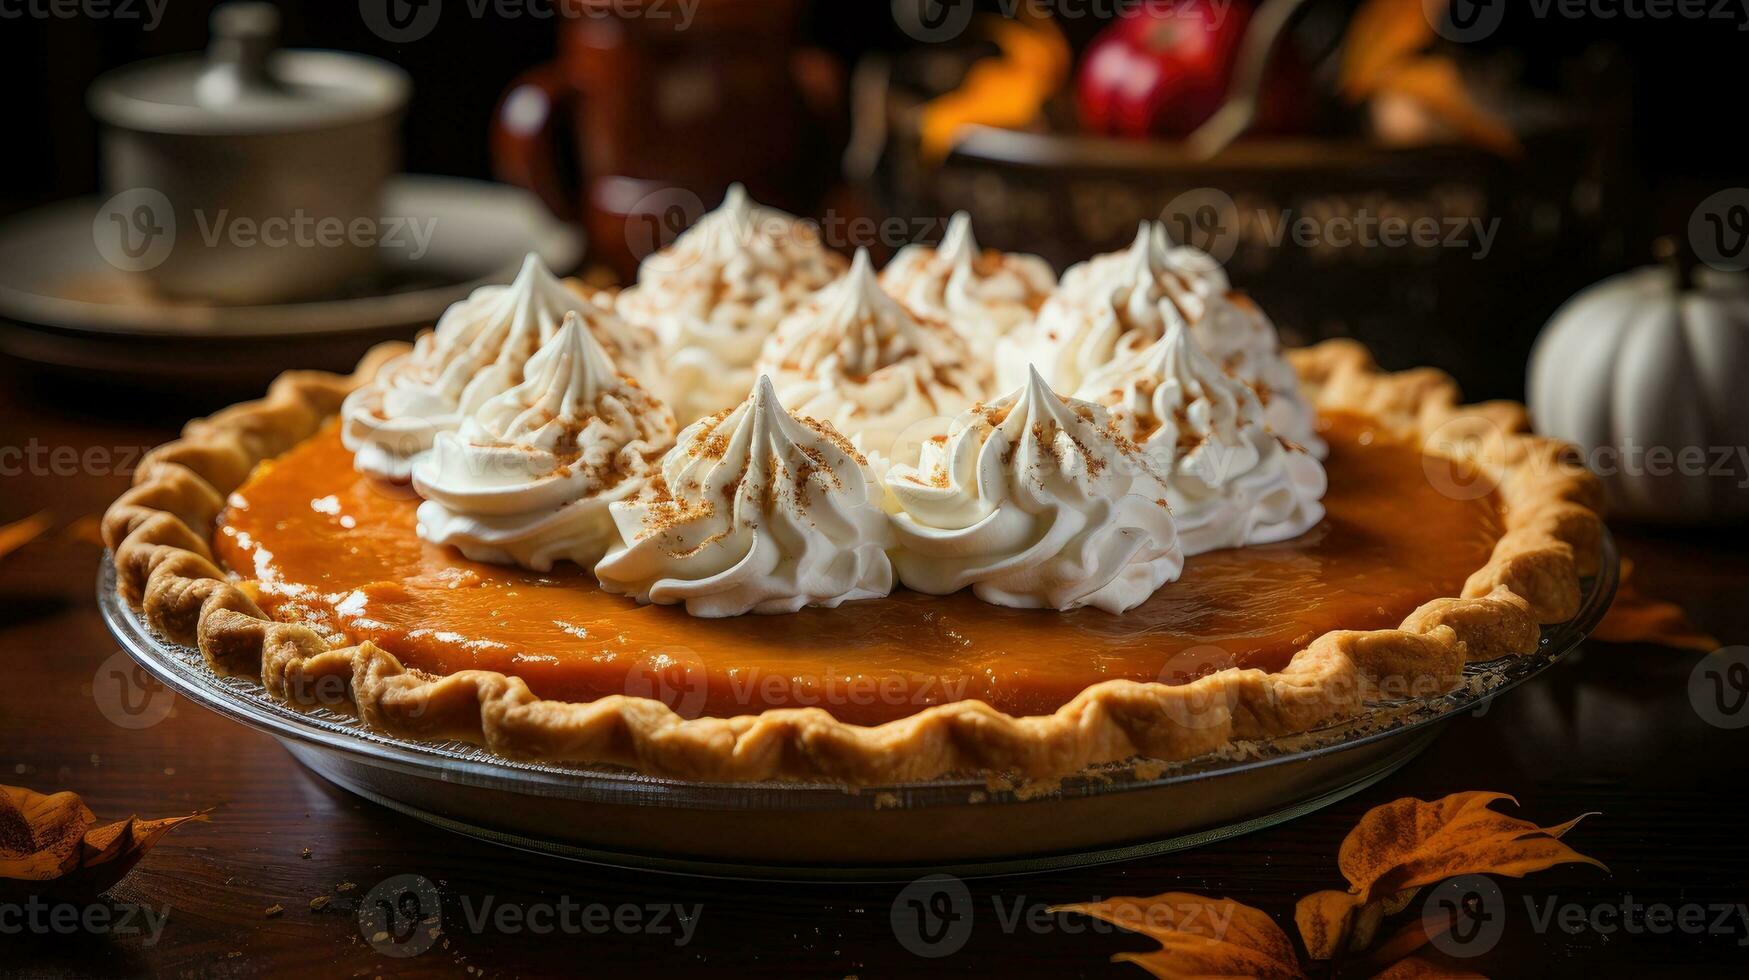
point(1162, 68)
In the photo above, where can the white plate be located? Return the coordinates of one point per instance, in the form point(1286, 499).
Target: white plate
point(53, 278)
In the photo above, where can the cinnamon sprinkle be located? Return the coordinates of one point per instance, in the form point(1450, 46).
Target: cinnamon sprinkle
point(832, 435)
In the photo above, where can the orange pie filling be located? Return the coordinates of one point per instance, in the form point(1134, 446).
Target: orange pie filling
point(317, 543)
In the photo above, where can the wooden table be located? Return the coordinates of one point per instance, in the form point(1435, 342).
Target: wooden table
point(1614, 732)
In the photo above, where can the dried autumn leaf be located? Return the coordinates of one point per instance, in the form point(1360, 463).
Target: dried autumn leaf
point(1336, 920)
point(20, 533)
point(1327, 921)
point(40, 835)
point(1384, 59)
point(1409, 843)
point(1635, 617)
point(1382, 35)
point(49, 848)
point(1007, 91)
point(1199, 936)
point(1436, 85)
point(1421, 968)
point(1414, 934)
point(87, 529)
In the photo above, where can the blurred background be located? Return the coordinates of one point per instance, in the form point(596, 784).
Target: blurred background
point(1434, 181)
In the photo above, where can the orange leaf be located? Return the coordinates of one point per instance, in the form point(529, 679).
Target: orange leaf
point(1198, 936)
point(1400, 901)
point(1414, 934)
point(20, 533)
point(1422, 843)
point(1330, 921)
point(1383, 35)
point(49, 848)
point(1409, 843)
point(88, 529)
point(1422, 968)
point(1435, 84)
point(40, 835)
point(1635, 617)
point(1326, 921)
point(1008, 91)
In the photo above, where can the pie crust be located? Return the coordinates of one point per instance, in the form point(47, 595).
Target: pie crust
point(160, 534)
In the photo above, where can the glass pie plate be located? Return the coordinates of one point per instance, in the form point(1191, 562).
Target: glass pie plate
point(968, 825)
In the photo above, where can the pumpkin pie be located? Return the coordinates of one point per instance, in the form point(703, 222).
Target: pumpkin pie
point(1148, 551)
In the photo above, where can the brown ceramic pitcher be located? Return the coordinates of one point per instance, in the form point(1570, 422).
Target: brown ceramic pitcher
point(651, 109)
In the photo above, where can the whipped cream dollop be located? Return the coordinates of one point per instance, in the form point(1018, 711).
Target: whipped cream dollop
point(1239, 338)
point(1035, 501)
point(528, 476)
point(718, 291)
point(856, 357)
point(754, 510)
point(1109, 305)
point(1117, 304)
point(479, 350)
point(983, 294)
point(1229, 479)
point(1198, 268)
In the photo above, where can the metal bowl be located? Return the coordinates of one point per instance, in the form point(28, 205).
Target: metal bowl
point(966, 825)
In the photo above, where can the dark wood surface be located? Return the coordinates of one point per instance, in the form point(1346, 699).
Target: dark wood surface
point(1613, 732)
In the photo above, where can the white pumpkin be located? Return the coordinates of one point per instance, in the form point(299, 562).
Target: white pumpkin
point(1648, 372)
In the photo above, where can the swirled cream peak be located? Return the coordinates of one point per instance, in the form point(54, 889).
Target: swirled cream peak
point(479, 349)
point(1110, 305)
point(1236, 335)
point(1034, 501)
point(528, 476)
point(856, 357)
point(754, 510)
point(718, 291)
point(1114, 305)
point(1230, 480)
point(1196, 267)
point(983, 294)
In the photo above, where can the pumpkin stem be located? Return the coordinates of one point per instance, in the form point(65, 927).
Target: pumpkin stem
point(1678, 258)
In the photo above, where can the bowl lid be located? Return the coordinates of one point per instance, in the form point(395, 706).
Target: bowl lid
point(245, 84)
